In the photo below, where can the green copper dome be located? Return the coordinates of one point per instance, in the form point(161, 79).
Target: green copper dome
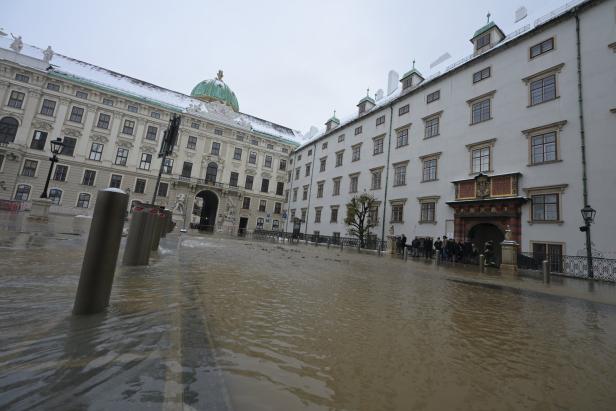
point(216, 90)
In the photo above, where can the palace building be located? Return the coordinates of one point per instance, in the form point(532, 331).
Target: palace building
point(519, 134)
point(227, 171)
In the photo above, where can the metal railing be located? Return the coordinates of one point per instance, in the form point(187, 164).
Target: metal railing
point(570, 265)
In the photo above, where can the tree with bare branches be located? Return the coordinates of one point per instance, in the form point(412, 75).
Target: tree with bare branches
point(357, 217)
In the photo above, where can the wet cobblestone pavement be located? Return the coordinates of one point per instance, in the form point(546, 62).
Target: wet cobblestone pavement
point(227, 324)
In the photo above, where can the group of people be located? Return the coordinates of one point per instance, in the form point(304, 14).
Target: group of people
point(444, 249)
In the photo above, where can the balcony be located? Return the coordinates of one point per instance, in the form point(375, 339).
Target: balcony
point(199, 183)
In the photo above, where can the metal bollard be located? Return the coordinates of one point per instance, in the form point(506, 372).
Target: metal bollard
point(341, 245)
point(159, 223)
point(482, 263)
point(101, 254)
point(329, 241)
point(167, 224)
point(135, 239)
point(546, 271)
point(406, 254)
point(146, 247)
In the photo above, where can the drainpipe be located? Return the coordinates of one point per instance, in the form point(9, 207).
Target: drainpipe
point(391, 120)
point(314, 155)
point(286, 223)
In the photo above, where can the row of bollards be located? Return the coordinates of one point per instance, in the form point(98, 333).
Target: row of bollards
point(149, 223)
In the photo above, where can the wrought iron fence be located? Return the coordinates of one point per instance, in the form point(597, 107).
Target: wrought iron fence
point(570, 265)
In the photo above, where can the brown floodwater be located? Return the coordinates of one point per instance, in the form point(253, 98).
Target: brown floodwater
point(236, 325)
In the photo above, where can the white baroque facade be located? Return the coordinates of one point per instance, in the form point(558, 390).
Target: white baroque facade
point(227, 171)
point(493, 142)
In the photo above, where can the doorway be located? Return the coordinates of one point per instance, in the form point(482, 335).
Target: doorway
point(242, 228)
point(207, 211)
point(480, 234)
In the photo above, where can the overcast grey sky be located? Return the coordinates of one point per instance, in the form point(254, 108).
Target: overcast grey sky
point(291, 62)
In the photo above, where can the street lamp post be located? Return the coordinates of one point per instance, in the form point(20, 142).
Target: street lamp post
point(56, 148)
point(588, 214)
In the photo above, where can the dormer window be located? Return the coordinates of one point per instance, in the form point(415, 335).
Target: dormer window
point(332, 123)
point(482, 41)
point(407, 83)
point(487, 36)
point(411, 78)
point(366, 104)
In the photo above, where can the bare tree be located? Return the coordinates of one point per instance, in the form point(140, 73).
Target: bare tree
point(357, 217)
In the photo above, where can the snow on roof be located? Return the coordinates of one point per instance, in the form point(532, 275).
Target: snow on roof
point(111, 81)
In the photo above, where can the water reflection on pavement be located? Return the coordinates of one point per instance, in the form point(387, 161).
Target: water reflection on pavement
point(225, 324)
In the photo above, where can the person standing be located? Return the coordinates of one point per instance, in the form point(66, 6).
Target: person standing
point(437, 246)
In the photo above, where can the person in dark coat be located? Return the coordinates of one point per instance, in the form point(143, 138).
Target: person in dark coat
point(438, 244)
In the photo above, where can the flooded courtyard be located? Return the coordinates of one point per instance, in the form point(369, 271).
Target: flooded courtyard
point(227, 324)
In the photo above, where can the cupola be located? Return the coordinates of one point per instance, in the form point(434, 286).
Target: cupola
point(366, 104)
point(487, 36)
point(411, 78)
point(216, 90)
point(332, 123)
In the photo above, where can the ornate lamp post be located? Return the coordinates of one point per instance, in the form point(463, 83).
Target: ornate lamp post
point(588, 214)
point(56, 148)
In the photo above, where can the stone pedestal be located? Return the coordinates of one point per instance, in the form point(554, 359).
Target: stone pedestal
point(391, 244)
point(40, 208)
point(509, 257)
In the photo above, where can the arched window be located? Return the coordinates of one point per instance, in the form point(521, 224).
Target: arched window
point(55, 195)
point(22, 193)
point(210, 174)
point(8, 129)
point(84, 200)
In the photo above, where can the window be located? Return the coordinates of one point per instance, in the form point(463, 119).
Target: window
point(292, 214)
point(150, 134)
point(380, 120)
point(121, 156)
point(194, 125)
point(320, 186)
point(307, 169)
point(167, 166)
point(297, 171)
point(115, 181)
point(249, 182)
point(480, 158)
point(543, 148)
point(162, 189)
point(260, 222)
point(264, 185)
point(378, 145)
point(428, 212)
point(482, 74)
point(285, 150)
point(402, 138)
point(262, 205)
point(317, 214)
point(550, 252)
point(38, 140)
point(275, 225)
point(146, 161)
point(295, 194)
point(8, 129)
point(339, 158)
point(252, 158)
point(53, 87)
point(545, 207)
point(187, 169)
point(403, 110)
point(22, 193)
point(191, 144)
point(399, 174)
point(103, 121)
point(233, 179)
point(358, 130)
point(48, 107)
point(543, 90)
point(407, 82)
point(76, 115)
point(154, 114)
point(373, 215)
point(279, 188)
point(353, 183)
point(270, 146)
point(69, 146)
point(211, 172)
point(323, 164)
point(480, 111)
point(376, 179)
point(336, 190)
point(29, 169)
point(341, 138)
point(482, 41)
point(60, 172)
point(83, 201)
point(542, 47)
point(268, 162)
point(309, 153)
point(129, 127)
point(22, 77)
point(333, 218)
point(282, 165)
point(254, 142)
point(324, 146)
point(305, 193)
point(246, 203)
point(429, 169)
point(81, 94)
point(237, 153)
point(432, 127)
point(88, 177)
point(436, 95)
point(215, 148)
point(139, 186)
point(356, 152)
point(286, 196)
point(397, 212)
point(55, 195)
point(96, 152)
point(16, 100)
point(132, 109)
point(108, 102)
point(218, 131)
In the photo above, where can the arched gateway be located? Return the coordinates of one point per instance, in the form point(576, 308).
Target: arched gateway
point(206, 208)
